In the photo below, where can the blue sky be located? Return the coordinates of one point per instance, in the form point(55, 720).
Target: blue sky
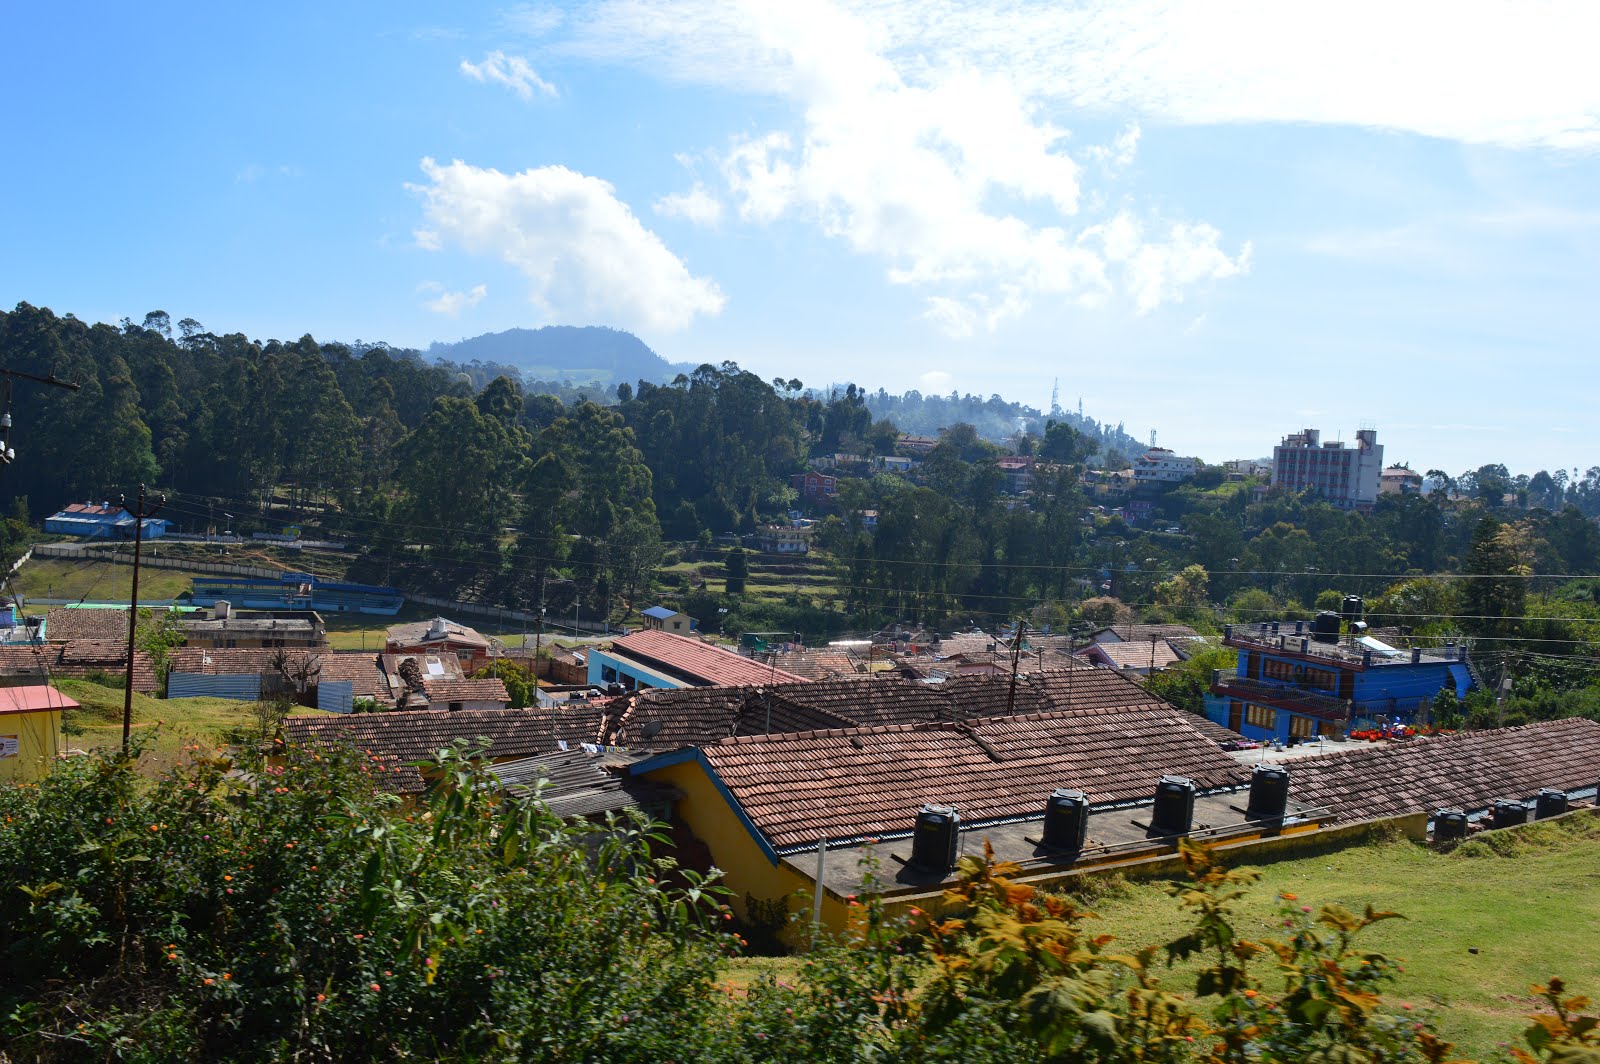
point(1222, 222)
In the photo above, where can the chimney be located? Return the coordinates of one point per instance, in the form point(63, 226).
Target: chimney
point(221, 610)
point(1416, 655)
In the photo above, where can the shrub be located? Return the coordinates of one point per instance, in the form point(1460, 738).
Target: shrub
point(306, 914)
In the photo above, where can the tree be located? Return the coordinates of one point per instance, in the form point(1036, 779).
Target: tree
point(1495, 589)
point(735, 570)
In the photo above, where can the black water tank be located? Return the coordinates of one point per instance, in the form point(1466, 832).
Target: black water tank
point(1550, 802)
point(1173, 813)
point(1269, 792)
point(1350, 609)
point(1449, 825)
point(1325, 629)
point(933, 847)
point(1508, 812)
point(1066, 821)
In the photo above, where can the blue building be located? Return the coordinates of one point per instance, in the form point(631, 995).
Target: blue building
point(297, 591)
point(1293, 683)
point(101, 520)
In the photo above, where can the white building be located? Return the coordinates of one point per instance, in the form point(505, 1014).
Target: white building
point(1158, 465)
point(1347, 477)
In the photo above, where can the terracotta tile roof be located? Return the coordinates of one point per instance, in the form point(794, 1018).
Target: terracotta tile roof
point(359, 668)
point(65, 623)
point(1134, 655)
point(849, 783)
point(701, 661)
point(79, 659)
point(402, 736)
point(698, 716)
point(1468, 770)
point(970, 642)
point(486, 690)
point(1143, 633)
point(669, 719)
point(220, 661)
point(819, 664)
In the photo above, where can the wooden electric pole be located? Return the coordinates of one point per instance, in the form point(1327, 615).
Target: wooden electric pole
point(139, 517)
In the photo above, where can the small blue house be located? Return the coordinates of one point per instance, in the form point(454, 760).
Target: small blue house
point(101, 520)
point(1294, 683)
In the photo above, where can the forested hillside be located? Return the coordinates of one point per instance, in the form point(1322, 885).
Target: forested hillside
point(564, 353)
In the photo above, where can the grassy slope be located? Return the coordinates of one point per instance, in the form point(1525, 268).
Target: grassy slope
point(1531, 912)
point(168, 724)
point(97, 581)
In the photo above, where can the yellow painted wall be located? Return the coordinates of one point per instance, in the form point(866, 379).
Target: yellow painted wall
point(38, 738)
point(746, 869)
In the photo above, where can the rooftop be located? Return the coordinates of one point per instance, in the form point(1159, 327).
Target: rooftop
point(696, 661)
point(32, 699)
point(659, 613)
point(1294, 639)
point(399, 737)
point(579, 782)
point(1468, 770)
point(489, 689)
point(438, 630)
point(79, 658)
point(1155, 654)
point(852, 783)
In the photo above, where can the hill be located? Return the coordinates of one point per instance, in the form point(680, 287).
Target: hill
point(564, 353)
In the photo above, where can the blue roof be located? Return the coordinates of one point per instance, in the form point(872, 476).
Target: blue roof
point(659, 613)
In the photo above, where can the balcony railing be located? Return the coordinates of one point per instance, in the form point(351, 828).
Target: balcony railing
point(1294, 699)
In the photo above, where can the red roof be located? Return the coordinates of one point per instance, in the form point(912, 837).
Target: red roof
point(709, 664)
point(32, 699)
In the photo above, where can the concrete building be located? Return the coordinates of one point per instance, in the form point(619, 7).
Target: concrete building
point(1398, 480)
point(1347, 477)
point(650, 658)
point(1159, 465)
point(30, 730)
point(102, 520)
point(1288, 685)
point(662, 619)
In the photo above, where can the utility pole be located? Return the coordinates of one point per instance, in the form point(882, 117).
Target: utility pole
point(1016, 661)
point(139, 516)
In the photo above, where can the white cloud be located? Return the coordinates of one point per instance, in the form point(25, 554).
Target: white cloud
point(946, 170)
point(697, 205)
point(451, 303)
point(531, 20)
point(1120, 152)
point(1496, 72)
point(585, 254)
point(935, 381)
point(512, 71)
point(1158, 271)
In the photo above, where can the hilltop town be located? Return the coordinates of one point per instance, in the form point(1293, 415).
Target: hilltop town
point(832, 662)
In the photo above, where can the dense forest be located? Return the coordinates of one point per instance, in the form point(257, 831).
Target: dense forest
point(466, 479)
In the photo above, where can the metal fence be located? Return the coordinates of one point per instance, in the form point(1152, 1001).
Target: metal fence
point(241, 687)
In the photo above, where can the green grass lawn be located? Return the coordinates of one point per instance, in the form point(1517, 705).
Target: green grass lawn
point(1527, 900)
point(95, 580)
point(167, 725)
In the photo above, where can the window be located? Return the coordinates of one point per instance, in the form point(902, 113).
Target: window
point(1260, 716)
point(1301, 727)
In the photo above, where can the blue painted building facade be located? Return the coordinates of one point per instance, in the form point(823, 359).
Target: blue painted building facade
point(297, 591)
point(101, 520)
point(1287, 685)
